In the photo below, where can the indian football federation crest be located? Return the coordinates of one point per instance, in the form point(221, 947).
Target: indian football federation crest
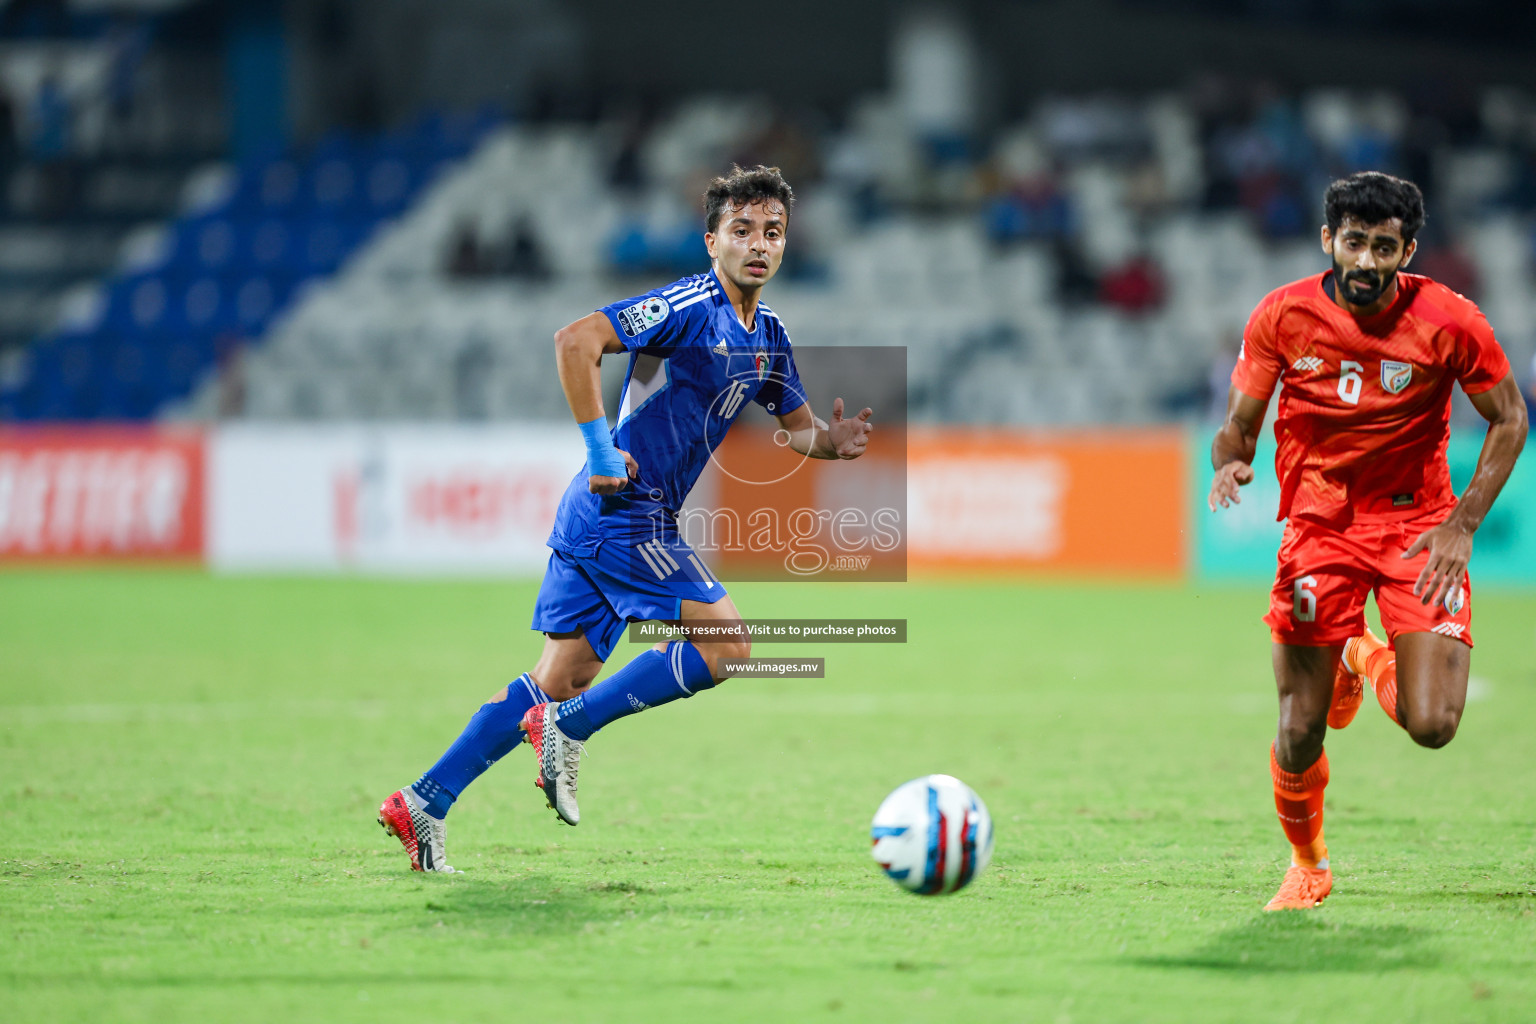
point(762, 364)
point(1395, 376)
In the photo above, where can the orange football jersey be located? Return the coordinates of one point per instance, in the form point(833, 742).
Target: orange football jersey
point(1365, 411)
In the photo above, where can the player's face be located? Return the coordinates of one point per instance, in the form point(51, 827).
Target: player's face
point(1366, 259)
point(748, 243)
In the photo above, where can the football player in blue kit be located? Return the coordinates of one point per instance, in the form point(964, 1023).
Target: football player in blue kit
point(699, 350)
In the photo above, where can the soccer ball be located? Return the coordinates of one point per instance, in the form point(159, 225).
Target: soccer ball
point(932, 835)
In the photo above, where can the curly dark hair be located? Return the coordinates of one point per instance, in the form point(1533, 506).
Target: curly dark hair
point(1372, 197)
point(743, 186)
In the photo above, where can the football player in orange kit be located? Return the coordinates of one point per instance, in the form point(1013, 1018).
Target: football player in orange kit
point(1367, 354)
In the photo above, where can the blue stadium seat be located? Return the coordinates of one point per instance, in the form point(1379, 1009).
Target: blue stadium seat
point(229, 269)
point(333, 186)
point(138, 304)
point(388, 184)
point(205, 306)
point(183, 362)
point(257, 299)
point(212, 244)
point(273, 187)
point(271, 245)
point(80, 359)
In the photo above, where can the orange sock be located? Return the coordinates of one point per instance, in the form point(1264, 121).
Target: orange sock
point(1299, 801)
point(1381, 670)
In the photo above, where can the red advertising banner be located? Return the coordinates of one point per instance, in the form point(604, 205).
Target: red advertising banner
point(93, 493)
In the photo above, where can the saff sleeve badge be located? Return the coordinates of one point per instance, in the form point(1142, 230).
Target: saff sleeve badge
point(1395, 376)
point(643, 315)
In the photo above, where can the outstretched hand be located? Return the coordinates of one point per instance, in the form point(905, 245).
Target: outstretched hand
point(1224, 487)
point(1450, 548)
point(614, 484)
point(849, 438)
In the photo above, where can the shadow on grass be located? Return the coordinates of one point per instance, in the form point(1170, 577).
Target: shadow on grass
point(1519, 899)
point(1306, 943)
point(531, 904)
point(438, 915)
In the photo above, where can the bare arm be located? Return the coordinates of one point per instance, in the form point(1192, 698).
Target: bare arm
point(579, 350)
point(841, 439)
point(1450, 544)
point(1232, 451)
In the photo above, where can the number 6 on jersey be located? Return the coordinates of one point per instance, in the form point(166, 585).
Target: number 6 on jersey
point(1349, 383)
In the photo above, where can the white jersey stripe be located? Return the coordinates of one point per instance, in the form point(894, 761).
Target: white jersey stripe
point(691, 300)
point(705, 284)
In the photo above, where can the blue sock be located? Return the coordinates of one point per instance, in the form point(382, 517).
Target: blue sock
point(655, 677)
point(485, 740)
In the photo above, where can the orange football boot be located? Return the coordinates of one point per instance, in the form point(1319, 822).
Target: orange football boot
point(1349, 679)
point(1303, 889)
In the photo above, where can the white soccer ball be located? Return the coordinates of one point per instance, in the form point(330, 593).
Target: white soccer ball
point(932, 835)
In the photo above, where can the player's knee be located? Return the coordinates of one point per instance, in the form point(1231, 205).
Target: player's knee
point(1433, 730)
point(559, 689)
point(565, 682)
point(719, 656)
point(736, 650)
point(1300, 738)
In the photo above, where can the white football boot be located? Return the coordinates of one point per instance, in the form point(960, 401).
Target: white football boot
point(559, 760)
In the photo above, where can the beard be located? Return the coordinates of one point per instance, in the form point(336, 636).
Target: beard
point(1375, 284)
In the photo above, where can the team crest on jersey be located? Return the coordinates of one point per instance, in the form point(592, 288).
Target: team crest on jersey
point(1395, 376)
point(643, 315)
point(762, 364)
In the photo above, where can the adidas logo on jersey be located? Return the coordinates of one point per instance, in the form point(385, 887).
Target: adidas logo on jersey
point(1307, 364)
point(719, 349)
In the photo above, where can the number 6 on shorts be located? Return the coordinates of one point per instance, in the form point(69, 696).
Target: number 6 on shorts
point(1304, 601)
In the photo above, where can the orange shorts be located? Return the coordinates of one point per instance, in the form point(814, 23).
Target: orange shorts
point(1324, 575)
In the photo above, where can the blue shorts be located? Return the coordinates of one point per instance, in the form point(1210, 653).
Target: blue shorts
point(598, 595)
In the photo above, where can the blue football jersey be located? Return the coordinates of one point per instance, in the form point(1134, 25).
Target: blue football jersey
point(693, 365)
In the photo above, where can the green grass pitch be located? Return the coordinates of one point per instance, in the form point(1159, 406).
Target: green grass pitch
point(190, 768)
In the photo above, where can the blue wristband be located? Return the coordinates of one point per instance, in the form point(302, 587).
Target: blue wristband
point(603, 459)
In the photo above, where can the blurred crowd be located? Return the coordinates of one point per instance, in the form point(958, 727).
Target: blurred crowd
point(1017, 252)
point(1088, 178)
point(1219, 145)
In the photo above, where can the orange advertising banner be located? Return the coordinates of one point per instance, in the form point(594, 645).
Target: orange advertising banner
point(111, 492)
point(1097, 500)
